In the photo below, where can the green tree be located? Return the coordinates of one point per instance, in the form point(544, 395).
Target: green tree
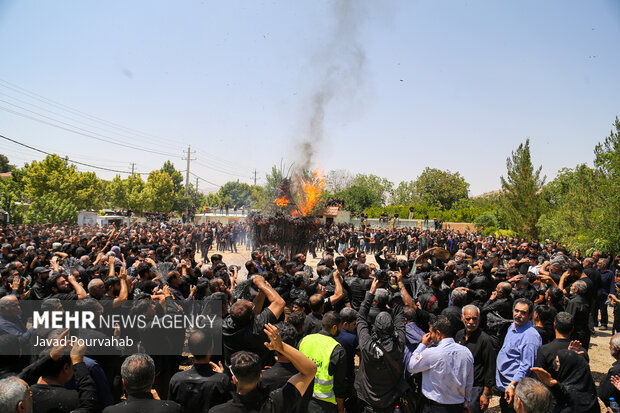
point(51, 208)
point(358, 198)
point(272, 180)
point(159, 193)
point(212, 200)
point(115, 192)
point(175, 175)
point(607, 162)
point(405, 193)
point(573, 204)
point(235, 193)
point(486, 220)
point(54, 175)
point(12, 195)
point(258, 197)
point(5, 166)
point(378, 186)
point(134, 188)
point(521, 200)
point(441, 189)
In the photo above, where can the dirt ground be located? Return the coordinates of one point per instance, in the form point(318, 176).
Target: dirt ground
point(600, 359)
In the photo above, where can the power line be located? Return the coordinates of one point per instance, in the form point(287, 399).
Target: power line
point(221, 165)
point(204, 180)
point(68, 160)
point(85, 134)
point(220, 170)
point(73, 119)
point(51, 102)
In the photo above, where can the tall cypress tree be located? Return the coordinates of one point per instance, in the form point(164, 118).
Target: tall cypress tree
point(521, 200)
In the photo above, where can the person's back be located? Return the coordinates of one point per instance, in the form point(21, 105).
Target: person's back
point(382, 347)
point(199, 388)
point(251, 397)
point(447, 369)
point(203, 385)
point(138, 373)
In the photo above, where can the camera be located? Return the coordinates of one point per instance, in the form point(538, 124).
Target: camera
point(381, 276)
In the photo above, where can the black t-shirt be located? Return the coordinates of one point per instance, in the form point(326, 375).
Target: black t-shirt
point(260, 401)
point(199, 388)
point(250, 337)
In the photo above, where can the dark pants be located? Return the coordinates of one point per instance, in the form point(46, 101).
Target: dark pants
point(434, 407)
point(504, 406)
point(599, 305)
point(369, 409)
point(476, 392)
point(316, 406)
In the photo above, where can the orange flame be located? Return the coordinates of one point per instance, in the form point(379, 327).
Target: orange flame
point(282, 201)
point(311, 190)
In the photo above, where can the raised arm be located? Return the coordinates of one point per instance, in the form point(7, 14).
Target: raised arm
point(79, 290)
point(276, 303)
point(305, 366)
point(338, 291)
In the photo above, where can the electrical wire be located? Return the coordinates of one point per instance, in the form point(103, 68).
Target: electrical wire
point(70, 160)
point(36, 96)
point(133, 137)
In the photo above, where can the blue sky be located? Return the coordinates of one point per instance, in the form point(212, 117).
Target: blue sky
point(406, 84)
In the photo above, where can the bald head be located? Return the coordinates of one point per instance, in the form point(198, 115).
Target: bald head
point(504, 289)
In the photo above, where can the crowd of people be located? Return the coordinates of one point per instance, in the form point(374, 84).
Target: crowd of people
point(442, 322)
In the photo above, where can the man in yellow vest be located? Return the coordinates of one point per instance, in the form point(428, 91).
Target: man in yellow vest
point(330, 358)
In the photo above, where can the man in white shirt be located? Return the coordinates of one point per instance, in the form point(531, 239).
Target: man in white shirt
point(447, 370)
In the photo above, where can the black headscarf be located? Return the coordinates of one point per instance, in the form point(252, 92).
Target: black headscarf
point(576, 379)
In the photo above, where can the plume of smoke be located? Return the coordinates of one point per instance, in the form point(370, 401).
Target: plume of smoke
point(340, 73)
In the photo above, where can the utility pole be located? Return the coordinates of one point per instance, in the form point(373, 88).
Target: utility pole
point(254, 177)
point(132, 168)
point(189, 158)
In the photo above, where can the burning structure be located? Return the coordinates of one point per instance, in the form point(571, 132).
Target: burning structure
point(288, 221)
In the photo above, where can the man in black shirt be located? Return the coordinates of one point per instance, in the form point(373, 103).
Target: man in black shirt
point(52, 372)
point(138, 373)
point(606, 388)
point(66, 288)
point(39, 291)
point(481, 347)
point(359, 285)
point(579, 307)
point(204, 385)
point(563, 326)
point(243, 328)
point(246, 370)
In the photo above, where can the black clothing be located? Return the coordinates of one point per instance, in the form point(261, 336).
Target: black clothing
point(579, 308)
point(606, 389)
point(250, 337)
point(313, 324)
point(453, 313)
point(143, 403)
point(276, 378)
point(57, 399)
point(481, 348)
point(575, 391)
point(548, 352)
point(502, 305)
point(199, 388)
point(281, 400)
point(358, 286)
point(378, 381)
point(39, 291)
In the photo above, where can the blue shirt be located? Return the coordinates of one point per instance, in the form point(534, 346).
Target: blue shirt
point(517, 355)
point(447, 371)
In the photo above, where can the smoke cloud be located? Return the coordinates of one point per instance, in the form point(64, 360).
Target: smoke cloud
point(340, 70)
